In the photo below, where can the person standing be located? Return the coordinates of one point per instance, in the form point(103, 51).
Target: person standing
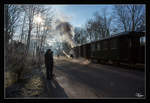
point(49, 63)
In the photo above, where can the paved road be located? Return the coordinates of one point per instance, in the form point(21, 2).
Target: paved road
point(98, 81)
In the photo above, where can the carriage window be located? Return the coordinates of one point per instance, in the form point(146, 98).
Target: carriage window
point(98, 46)
point(142, 40)
point(113, 44)
point(93, 47)
point(105, 45)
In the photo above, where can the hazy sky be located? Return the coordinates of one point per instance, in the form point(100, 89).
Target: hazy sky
point(77, 15)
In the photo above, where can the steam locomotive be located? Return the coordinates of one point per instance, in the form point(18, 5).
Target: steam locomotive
point(126, 48)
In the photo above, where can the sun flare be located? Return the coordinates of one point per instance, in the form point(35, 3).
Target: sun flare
point(38, 19)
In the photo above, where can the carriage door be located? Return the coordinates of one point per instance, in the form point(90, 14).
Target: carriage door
point(134, 49)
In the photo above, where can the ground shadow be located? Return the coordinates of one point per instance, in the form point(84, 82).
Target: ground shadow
point(14, 90)
point(56, 91)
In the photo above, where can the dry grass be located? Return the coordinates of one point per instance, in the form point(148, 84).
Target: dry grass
point(10, 78)
point(17, 65)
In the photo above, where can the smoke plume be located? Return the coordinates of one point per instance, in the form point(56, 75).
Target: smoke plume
point(61, 29)
point(66, 31)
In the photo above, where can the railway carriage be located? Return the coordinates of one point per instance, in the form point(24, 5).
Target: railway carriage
point(125, 47)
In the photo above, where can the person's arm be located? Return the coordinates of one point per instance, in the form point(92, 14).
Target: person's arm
point(52, 59)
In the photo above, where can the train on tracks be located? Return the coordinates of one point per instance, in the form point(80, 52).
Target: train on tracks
point(126, 48)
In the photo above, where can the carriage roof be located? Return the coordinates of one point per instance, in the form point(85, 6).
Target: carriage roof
point(122, 34)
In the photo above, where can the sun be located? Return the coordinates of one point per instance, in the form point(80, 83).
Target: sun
point(38, 19)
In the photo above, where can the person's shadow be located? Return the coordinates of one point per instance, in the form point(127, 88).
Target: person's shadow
point(55, 89)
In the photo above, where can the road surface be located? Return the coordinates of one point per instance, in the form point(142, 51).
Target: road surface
point(79, 79)
point(98, 81)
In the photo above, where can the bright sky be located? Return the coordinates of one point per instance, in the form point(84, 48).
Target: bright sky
point(77, 15)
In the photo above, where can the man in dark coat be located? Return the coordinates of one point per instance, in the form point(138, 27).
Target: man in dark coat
point(49, 63)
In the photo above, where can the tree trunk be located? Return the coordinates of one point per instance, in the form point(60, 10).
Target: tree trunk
point(22, 34)
point(29, 35)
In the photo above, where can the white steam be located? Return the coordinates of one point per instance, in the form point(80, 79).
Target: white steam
point(61, 29)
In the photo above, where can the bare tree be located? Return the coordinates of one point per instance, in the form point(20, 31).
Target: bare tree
point(98, 27)
point(89, 29)
point(30, 11)
point(22, 30)
point(10, 21)
point(77, 35)
point(80, 35)
point(131, 17)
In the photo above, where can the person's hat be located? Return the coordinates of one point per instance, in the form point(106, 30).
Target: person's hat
point(49, 50)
